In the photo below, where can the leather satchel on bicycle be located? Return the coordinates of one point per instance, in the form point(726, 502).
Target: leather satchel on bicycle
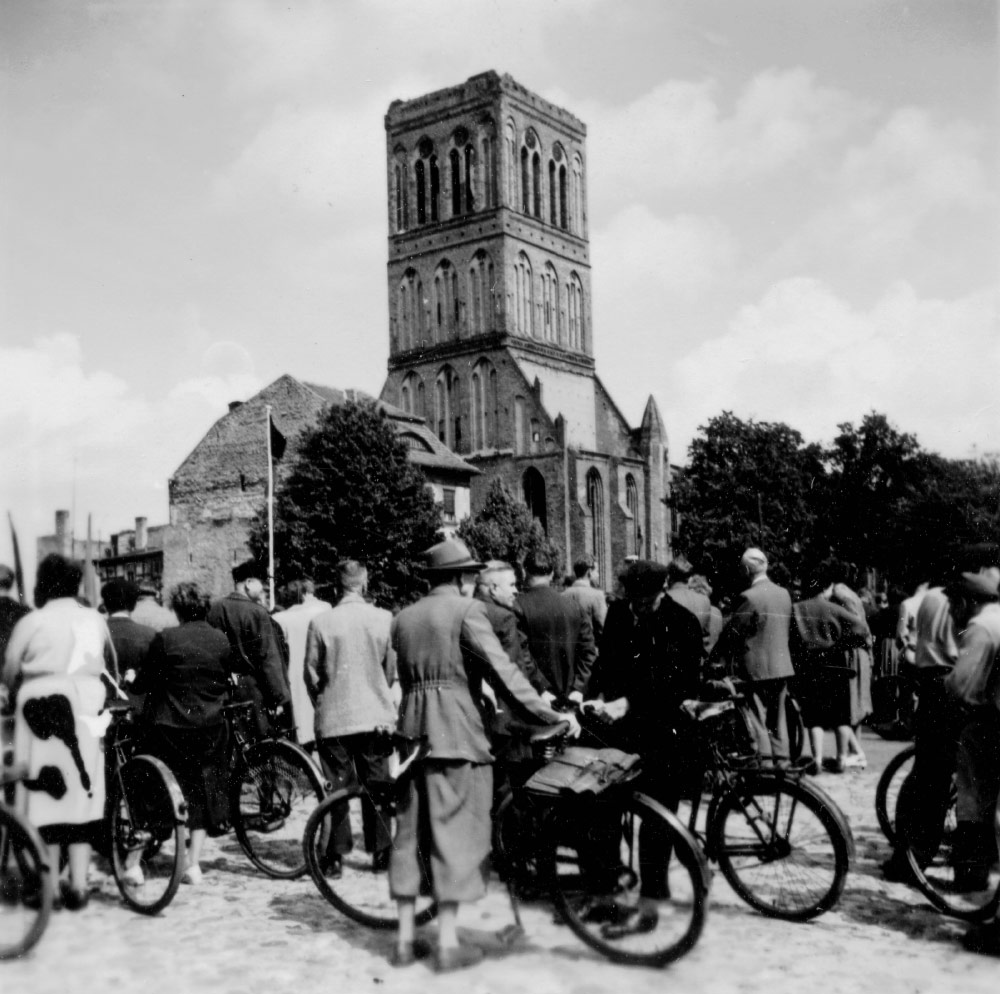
point(584, 771)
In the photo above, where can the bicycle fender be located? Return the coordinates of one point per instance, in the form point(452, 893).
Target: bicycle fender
point(681, 829)
point(177, 801)
point(271, 746)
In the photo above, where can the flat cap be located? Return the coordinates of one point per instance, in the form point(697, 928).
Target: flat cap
point(644, 578)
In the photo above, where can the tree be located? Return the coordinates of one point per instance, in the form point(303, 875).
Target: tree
point(504, 528)
point(749, 483)
point(877, 475)
point(351, 493)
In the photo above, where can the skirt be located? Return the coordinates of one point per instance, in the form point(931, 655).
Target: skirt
point(59, 737)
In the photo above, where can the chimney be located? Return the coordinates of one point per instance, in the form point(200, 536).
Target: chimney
point(233, 404)
point(140, 534)
point(62, 533)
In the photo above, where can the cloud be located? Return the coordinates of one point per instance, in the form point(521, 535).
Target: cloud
point(804, 356)
point(677, 134)
point(87, 441)
point(647, 268)
point(913, 171)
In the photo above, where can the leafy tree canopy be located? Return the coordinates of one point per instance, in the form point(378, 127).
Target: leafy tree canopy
point(351, 493)
point(504, 528)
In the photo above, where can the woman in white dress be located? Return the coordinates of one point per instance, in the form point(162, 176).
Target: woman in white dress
point(53, 666)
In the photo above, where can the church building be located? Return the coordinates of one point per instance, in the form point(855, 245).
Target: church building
point(490, 327)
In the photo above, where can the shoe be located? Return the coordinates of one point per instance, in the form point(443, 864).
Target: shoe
point(380, 860)
point(133, 876)
point(73, 899)
point(331, 867)
point(983, 938)
point(457, 958)
point(856, 761)
point(408, 954)
point(811, 768)
point(192, 875)
point(604, 909)
point(637, 923)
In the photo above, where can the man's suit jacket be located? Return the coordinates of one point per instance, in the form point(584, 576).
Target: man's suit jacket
point(560, 639)
point(131, 642)
point(445, 648)
point(756, 637)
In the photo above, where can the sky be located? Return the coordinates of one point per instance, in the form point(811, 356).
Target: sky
point(792, 215)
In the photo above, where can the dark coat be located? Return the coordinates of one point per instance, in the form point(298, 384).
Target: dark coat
point(255, 650)
point(655, 662)
point(186, 676)
point(132, 643)
point(560, 639)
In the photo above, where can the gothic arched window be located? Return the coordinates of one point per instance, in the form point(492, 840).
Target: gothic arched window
point(595, 507)
point(533, 488)
point(634, 527)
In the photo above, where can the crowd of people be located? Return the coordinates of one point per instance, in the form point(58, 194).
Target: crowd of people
point(465, 664)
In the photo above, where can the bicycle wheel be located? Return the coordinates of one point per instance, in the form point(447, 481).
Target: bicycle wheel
point(271, 798)
point(26, 885)
point(940, 878)
point(147, 838)
point(887, 792)
point(782, 847)
point(359, 890)
point(656, 911)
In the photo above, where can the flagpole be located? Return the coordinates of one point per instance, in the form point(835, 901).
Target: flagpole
point(270, 511)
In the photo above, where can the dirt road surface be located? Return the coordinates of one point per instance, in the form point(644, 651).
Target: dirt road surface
point(241, 933)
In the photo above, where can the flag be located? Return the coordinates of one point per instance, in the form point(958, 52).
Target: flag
point(278, 441)
point(18, 568)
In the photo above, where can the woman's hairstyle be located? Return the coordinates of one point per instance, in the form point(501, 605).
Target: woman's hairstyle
point(188, 602)
point(56, 576)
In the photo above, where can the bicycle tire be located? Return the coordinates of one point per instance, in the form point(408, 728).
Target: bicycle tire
point(887, 792)
point(934, 875)
point(782, 846)
point(796, 728)
point(27, 885)
point(274, 791)
point(679, 917)
point(359, 891)
point(148, 814)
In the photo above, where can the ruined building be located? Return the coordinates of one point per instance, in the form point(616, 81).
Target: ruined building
point(490, 329)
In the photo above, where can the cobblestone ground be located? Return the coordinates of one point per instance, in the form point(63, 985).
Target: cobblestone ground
point(240, 933)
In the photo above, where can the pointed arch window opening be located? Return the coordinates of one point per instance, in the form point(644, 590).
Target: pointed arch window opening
point(633, 531)
point(420, 170)
point(595, 505)
point(525, 186)
point(562, 197)
point(536, 185)
point(435, 188)
point(456, 183)
point(533, 491)
point(470, 194)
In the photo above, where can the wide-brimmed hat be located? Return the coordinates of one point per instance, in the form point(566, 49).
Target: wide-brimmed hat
point(450, 556)
point(978, 586)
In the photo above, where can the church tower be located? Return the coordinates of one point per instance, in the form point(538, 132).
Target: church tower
point(490, 338)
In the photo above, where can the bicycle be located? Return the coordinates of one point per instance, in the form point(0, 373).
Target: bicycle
point(273, 787)
point(780, 841)
point(937, 870)
point(537, 841)
point(27, 882)
point(887, 792)
point(146, 815)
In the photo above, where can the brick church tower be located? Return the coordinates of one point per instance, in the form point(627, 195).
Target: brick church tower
point(491, 338)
